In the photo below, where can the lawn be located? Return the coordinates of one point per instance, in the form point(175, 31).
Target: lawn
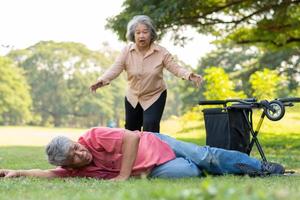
point(280, 140)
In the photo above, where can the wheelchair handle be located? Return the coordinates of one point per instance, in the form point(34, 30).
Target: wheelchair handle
point(289, 99)
point(212, 102)
point(247, 101)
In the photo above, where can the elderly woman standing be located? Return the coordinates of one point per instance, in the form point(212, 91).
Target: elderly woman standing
point(144, 61)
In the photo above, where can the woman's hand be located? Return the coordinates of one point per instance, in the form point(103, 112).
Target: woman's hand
point(196, 78)
point(97, 85)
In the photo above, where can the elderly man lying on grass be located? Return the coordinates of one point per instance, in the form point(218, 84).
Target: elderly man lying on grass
point(117, 154)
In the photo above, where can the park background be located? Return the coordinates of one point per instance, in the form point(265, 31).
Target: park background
point(241, 48)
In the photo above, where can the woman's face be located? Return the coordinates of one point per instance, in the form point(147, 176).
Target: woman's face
point(142, 36)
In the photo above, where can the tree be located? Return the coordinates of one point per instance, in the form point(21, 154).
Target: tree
point(272, 26)
point(266, 84)
point(60, 75)
point(15, 100)
point(241, 62)
point(218, 86)
point(287, 63)
point(174, 96)
point(271, 22)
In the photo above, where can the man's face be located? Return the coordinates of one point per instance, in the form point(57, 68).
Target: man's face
point(78, 156)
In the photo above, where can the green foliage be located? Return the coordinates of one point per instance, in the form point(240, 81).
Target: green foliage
point(230, 58)
point(192, 115)
point(60, 75)
point(272, 22)
point(174, 103)
point(238, 62)
point(15, 100)
point(271, 26)
point(296, 93)
point(242, 62)
point(266, 84)
point(279, 27)
point(177, 88)
point(218, 86)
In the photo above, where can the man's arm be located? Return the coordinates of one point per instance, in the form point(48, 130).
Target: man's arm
point(9, 173)
point(129, 150)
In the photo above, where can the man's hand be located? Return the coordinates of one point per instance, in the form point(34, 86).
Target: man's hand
point(6, 173)
point(9, 173)
point(97, 85)
point(120, 178)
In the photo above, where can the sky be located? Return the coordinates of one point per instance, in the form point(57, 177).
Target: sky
point(23, 23)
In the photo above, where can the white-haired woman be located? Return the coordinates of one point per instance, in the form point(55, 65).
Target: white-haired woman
point(144, 61)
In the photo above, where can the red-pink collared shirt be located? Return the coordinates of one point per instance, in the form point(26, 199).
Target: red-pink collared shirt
point(105, 144)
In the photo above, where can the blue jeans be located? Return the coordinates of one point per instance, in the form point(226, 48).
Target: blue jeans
point(191, 160)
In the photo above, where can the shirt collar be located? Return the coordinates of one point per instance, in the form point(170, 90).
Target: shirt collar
point(153, 47)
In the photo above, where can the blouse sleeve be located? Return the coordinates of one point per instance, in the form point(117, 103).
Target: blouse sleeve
point(171, 65)
point(115, 70)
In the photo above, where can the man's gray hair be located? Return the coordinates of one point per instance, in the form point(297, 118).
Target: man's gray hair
point(57, 150)
point(140, 19)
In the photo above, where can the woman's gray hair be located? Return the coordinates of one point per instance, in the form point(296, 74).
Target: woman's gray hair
point(140, 19)
point(57, 150)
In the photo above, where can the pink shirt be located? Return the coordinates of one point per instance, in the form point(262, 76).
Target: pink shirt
point(144, 73)
point(105, 144)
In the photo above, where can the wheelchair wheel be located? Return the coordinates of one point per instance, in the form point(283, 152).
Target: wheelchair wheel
point(278, 113)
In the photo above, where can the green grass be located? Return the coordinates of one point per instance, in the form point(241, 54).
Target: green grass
point(213, 187)
point(280, 140)
point(226, 187)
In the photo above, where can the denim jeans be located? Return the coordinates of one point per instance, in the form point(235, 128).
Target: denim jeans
point(192, 160)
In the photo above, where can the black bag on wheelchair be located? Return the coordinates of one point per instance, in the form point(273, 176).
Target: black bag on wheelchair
point(231, 127)
point(227, 128)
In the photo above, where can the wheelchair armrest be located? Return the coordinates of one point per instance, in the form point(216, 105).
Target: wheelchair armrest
point(247, 101)
point(289, 99)
point(212, 102)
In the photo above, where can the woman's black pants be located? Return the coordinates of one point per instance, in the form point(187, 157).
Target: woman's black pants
point(136, 117)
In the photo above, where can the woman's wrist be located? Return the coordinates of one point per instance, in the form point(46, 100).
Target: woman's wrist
point(190, 76)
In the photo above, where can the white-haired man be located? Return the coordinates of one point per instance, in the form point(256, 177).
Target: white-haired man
point(117, 154)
